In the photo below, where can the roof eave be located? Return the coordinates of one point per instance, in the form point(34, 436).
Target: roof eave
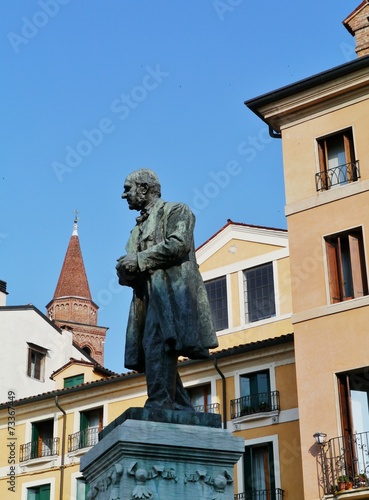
point(311, 82)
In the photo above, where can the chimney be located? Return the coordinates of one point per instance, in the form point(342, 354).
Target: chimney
point(3, 293)
point(357, 24)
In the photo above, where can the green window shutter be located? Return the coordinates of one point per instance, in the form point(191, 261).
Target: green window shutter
point(247, 469)
point(39, 493)
point(32, 494)
point(83, 427)
point(83, 421)
point(82, 489)
point(34, 438)
point(73, 381)
point(44, 492)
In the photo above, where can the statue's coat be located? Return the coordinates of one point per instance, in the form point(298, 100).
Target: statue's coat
point(168, 287)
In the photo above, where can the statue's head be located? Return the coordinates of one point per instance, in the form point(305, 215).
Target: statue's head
point(140, 188)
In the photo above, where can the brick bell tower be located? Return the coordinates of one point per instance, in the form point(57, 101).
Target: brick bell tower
point(72, 306)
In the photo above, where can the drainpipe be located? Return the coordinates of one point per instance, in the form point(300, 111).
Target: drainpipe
point(273, 134)
point(62, 466)
point(224, 392)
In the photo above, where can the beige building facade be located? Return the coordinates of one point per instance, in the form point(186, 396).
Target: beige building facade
point(323, 124)
point(250, 380)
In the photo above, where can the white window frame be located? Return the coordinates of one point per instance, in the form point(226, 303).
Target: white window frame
point(256, 441)
point(35, 484)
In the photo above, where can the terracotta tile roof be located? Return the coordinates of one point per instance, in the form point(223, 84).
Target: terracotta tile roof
point(73, 279)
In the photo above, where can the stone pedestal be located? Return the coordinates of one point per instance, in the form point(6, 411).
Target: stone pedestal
point(163, 460)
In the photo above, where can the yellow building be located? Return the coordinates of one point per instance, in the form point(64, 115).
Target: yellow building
point(323, 123)
point(250, 380)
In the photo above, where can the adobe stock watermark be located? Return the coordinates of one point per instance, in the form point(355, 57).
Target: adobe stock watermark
point(120, 107)
point(105, 295)
point(348, 51)
point(221, 179)
point(223, 7)
point(31, 26)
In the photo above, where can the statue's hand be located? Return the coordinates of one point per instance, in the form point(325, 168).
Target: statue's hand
point(127, 263)
point(126, 269)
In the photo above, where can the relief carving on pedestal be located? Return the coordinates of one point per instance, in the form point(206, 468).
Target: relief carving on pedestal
point(218, 483)
point(110, 481)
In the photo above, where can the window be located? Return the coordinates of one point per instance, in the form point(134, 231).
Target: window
point(39, 492)
point(82, 489)
point(354, 401)
point(353, 389)
point(73, 381)
point(259, 475)
point(256, 396)
point(217, 294)
point(337, 163)
point(42, 443)
point(255, 389)
point(346, 265)
point(36, 361)
point(259, 293)
point(200, 397)
point(90, 426)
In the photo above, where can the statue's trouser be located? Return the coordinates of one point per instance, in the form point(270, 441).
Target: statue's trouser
point(164, 385)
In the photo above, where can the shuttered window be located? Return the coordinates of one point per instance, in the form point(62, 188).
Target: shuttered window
point(337, 164)
point(346, 265)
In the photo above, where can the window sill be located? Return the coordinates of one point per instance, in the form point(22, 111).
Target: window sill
point(79, 452)
point(33, 462)
point(329, 309)
point(361, 493)
point(257, 416)
point(324, 197)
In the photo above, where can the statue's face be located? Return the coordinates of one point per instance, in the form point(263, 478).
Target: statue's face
point(135, 194)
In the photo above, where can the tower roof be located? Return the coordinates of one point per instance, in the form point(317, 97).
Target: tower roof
point(73, 279)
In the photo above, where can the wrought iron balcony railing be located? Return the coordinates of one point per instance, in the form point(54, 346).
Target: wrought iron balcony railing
point(343, 463)
point(349, 172)
point(263, 402)
point(83, 439)
point(39, 449)
point(275, 494)
point(212, 408)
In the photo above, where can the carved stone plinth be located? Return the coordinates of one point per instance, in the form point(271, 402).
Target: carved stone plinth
point(145, 459)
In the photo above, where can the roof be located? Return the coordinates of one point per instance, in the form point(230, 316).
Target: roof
point(241, 224)
point(31, 307)
point(73, 279)
point(346, 21)
point(231, 351)
point(96, 367)
point(306, 84)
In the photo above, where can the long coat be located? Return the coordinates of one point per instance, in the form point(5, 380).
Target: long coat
point(168, 285)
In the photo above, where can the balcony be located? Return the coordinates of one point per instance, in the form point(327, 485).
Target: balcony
point(343, 464)
point(212, 408)
point(39, 449)
point(275, 494)
point(337, 176)
point(264, 402)
point(83, 439)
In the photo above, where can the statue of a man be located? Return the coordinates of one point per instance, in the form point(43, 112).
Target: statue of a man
point(169, 314)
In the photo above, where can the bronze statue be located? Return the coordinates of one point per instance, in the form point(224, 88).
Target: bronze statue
point(169, 314)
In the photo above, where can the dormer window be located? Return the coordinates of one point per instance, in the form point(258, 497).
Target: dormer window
point(36, 361)
point(337, 164)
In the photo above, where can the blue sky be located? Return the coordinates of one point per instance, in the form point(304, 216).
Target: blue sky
point(92, 90)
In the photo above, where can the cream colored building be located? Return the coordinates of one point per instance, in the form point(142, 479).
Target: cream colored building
point(250, 380)
point(323, 123)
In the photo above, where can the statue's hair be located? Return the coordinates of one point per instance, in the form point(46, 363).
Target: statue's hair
point(149, 177)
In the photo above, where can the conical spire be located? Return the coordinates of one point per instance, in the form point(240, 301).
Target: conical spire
point(73, 279)
point(72, 306)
